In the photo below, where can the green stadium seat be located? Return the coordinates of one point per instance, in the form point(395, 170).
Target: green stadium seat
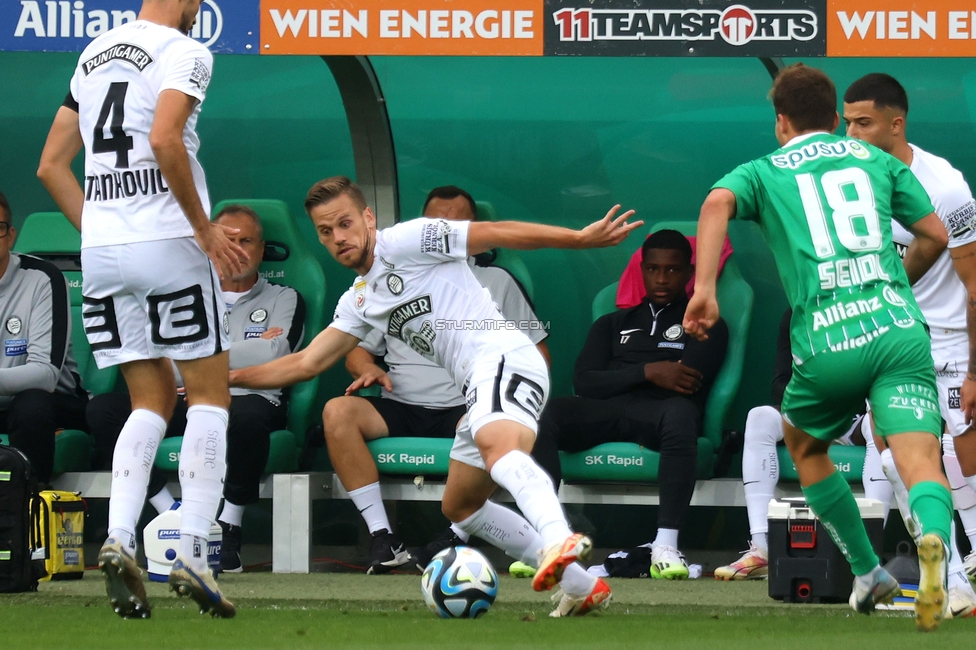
point(411, 456)
point(735, 299)
point(287, 261)
point(50, 236)
point(848, 460)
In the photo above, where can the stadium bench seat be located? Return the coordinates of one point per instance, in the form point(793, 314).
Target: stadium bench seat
point(848, 460)
point(49, 236)
point(288, 261)
point(610, 462)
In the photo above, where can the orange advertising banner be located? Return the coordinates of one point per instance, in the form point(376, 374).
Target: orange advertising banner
point(402, 27)
point(901, 28)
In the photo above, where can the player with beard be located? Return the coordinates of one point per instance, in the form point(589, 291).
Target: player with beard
point(415, 284)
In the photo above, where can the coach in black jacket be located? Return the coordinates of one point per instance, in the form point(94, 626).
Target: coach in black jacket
point(640, 378)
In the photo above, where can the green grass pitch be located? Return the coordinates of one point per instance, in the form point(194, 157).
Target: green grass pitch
point(329, 610)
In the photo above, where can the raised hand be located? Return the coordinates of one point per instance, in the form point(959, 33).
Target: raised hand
point(608, 231)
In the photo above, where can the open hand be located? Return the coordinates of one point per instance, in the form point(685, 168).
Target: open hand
point(227, 256)
point(373, 375)
point(608, 231)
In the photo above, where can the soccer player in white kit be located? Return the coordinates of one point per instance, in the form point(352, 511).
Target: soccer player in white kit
point(875, 110)
point(150, 291)
point(415, 284)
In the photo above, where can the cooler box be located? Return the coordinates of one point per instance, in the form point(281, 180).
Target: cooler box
point(805, 566)
point(161, 542)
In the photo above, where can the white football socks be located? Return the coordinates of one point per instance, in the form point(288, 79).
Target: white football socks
point(509, 531)
point(369, 502)
point(203, 462)
point(162, 500)
point(505, 529)
point(532, 488)
point(873, 479)
point(666, 537)
point(135, 452)
point(900, 493)
point(462, 534)
point(231, 514)
point(760, 468)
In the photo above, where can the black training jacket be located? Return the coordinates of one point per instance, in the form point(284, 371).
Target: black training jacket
point(618, 345)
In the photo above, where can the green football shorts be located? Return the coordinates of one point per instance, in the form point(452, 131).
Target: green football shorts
point(893, 371)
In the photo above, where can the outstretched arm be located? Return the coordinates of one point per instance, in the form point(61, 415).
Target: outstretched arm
point(713, 223)
point(63, 144)
point(321, 354)
point(520, 235)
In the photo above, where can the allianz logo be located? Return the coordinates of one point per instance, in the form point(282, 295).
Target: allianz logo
point(425, 459)
point(66, 19)
point(611, 459)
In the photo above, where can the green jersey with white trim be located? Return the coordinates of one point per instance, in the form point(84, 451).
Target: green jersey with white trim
point(824, 204)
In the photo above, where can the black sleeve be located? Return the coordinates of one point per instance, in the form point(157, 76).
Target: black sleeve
point(783, 371)
point(70, 102)
point(591, 376)
point(707, 356)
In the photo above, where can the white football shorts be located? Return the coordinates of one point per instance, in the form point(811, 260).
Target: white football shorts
point(514, 386)
point(950, 353)
point(150, 300)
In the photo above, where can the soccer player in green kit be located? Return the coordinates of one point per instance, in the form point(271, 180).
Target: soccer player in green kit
point(825, 204)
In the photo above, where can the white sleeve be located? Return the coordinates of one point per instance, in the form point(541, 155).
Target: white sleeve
point(73, 85)
point(374, 343)
point(346, 319)
point(427, 241)
point(958, 212)
point(189, 70)
point(513, 304)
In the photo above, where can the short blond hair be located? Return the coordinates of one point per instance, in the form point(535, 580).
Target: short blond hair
point(329, 189)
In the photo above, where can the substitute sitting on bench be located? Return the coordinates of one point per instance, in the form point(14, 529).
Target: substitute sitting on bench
point(641, 379)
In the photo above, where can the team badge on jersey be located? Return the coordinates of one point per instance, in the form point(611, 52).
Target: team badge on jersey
point(395, 284)
point(674, 333)
point(200, 77)
point(226, 322)
point(14, 325)
point(259, 315)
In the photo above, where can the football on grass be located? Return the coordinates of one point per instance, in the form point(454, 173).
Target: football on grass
point(459, 583)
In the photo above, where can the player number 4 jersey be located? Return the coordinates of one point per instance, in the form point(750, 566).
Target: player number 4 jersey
point(825, 204)
point(116, 85)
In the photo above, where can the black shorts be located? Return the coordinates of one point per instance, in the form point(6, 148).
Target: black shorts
point(410, 421)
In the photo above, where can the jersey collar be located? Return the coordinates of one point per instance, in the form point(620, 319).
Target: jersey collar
point(802, 137)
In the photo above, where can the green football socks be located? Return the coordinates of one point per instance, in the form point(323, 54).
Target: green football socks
point(833, 503)
point(931, 506)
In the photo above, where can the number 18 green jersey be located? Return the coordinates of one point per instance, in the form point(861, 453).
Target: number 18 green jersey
point(825, 204)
